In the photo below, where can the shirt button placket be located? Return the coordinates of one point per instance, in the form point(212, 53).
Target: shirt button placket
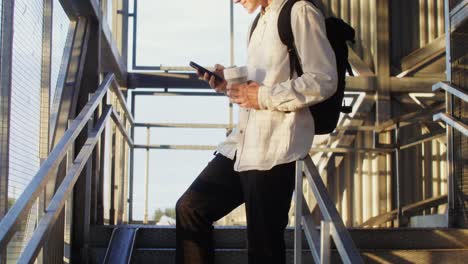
point(242, 127)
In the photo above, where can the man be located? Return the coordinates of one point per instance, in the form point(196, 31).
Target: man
point(256, 164)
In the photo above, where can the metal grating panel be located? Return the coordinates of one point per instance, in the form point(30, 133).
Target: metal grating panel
point(25, 101)
point(25, 109)
point(459, 77)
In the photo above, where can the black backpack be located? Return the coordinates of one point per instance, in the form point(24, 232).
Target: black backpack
point(327, 112)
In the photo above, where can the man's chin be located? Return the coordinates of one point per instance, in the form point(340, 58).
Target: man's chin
point(251, 10)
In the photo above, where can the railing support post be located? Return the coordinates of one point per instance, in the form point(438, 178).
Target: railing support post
point(398, 175)
point(148, 131)
point(325, 250)
point(112, 177)
point(298, 214)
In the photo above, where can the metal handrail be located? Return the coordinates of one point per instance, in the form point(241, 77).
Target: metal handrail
point(410, 118)
point(407, 211)
point(453, 122)
point(332, 226)
point(122, 101)
point(121, 127)
point(58, 201)
point(16, 214)
point(452, 89)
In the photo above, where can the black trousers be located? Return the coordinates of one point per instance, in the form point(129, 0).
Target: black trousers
point(216, 192)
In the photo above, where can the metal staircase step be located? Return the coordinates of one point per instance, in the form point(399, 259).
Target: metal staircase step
point(167, 256)
point(121, 245)
point(422, 256)
point(239, 256)
point(235, 237)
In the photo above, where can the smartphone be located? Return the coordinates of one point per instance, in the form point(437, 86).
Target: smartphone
point(203, 71)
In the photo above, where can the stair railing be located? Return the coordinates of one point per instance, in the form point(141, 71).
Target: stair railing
point(332, 225)
point(447, 117)
point(407, 211)
point(452, 93)
point(10, 223)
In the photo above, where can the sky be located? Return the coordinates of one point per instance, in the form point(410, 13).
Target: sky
point(172, 33)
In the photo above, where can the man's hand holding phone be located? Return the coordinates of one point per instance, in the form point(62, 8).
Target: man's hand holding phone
point(217, 85)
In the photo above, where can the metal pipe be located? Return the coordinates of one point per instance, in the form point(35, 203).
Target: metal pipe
point(232, 32)
point(325, 243)
point(420, 141)
point(183, 125)
point(398, 175)
point(451, 188)
point(135, 33)
point(298, 214)
point(112, 177)
point(452, 121)
point(132, 161)
point(145, 219)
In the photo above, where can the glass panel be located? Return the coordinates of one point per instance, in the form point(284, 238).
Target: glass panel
point(172, 33)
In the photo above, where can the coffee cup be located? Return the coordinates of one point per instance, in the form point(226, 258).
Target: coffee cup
point(236, 75)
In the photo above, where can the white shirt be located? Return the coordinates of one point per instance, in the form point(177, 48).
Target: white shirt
point(283, 130)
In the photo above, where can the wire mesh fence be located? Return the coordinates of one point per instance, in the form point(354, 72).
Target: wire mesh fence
point(459, 78)
point(24, 146)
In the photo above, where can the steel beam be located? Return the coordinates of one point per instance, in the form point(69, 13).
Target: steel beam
point(412, 84)
point(53, 253)
point(190, 80)
point(89, 85)
point(76, 8)
point(423, 56)
point(382, 60)
point(358, 65)
point(5, 101)
point(112, 61)
point(166, 80)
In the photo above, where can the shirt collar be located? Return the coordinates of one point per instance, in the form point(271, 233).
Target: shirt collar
point(275, 4)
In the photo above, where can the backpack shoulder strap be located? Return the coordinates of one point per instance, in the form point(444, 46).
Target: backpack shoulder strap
point(287, 37)
point(254, 25)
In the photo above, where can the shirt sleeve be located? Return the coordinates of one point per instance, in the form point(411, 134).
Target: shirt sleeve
point(317, 58)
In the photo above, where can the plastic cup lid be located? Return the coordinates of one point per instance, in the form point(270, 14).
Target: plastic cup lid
point(235, 72)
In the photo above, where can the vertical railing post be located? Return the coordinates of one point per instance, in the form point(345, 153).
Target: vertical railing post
point(112, 177)
point(298, 214)
point(449, 108)
point(87, 196)
point(398, 175)
point(122, 202)
point(132, 159)
point(148, 131)
point(325, 242)
point(125, 174)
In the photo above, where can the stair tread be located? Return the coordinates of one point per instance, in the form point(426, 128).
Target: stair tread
point(231, 256)
point(235, 237)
